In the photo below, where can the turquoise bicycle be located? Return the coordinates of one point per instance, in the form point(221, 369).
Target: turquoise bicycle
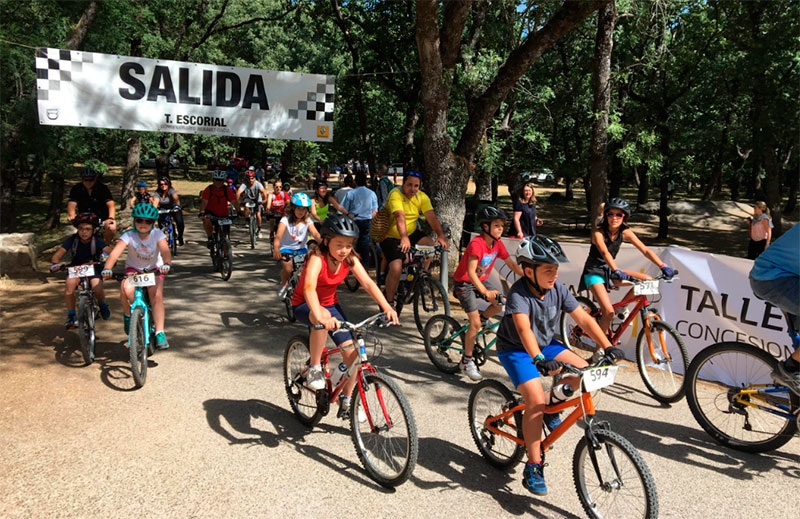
point(142, 336)
point(444, 341)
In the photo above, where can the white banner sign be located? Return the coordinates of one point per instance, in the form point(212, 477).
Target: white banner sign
point(105, 91)
point(710, 301)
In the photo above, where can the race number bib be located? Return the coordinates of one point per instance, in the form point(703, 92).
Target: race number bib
point(224, 221)
point(597, 378)
point(80, 271)
point(142, 280)
point(646, 288)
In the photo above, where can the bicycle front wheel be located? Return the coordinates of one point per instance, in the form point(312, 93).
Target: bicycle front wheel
point(86, 331)
point(487, 400)
point(225, 259)
point(173, 239)
point(430, 299)
point(613, 479)
point(302, 400)
point(656, 369)
point(252, 230)
point(385, 434)
point(732, 396)
point(443, 344)
point(138, 349)
point(572, 335)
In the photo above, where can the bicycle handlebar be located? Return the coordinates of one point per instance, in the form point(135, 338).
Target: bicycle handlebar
point(379, 320)
point(501, 298)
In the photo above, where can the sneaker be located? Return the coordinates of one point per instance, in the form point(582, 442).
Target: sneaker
point(552, 420)
point(126, 323)
point(471, 370)
point(787, 378)
point(258, 233)
point(71, 322)
point(533, 479)
point(105, 311)
point(316, 378)
point(161, 341)
point(180, 241)
point(345, 404)
point(282, 291)
point(210, 243)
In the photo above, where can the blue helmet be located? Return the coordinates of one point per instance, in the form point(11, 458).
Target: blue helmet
point(300, 200)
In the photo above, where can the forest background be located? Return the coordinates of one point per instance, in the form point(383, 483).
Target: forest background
point(612, 97)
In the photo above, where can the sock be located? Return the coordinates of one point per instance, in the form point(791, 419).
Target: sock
point(465, 359)
point(71, 313)
point(791, 365)
point(103, 304)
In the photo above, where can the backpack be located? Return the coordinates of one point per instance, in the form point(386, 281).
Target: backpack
point(76, 240)
point(381, 223)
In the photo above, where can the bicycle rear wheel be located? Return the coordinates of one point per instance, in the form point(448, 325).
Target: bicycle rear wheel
point(86, 331)
point(656, 370)
point(287, 300)
point(443, 344)
point(430, 299)
point(488, 399)
point(302, 400)
point(613, 480)
point(726, 386)
point(351, 282)
point(386, 442)
point(225, 258)
point(572, 335)
point(138, 350)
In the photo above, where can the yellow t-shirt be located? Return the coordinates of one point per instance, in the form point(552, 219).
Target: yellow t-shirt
point(412, 208)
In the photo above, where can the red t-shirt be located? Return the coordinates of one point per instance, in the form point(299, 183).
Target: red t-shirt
point(218, 200)
point(486, 257)
point(279, 202)
point(327, 283)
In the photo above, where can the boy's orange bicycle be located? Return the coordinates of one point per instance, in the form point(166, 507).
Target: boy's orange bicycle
point(659, 346)
point(611, 478)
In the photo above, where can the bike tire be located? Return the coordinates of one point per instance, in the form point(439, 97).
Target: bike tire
point(443, 344)
point(374, 261)
point(664, 384)
point(287, 300)
point(386, 442)
point(173, 239)
point(138, 349)
point(614, 480)
point(252, 231)
point(86, 330)
point(716, 375)
point(302, 400)
point(490, 398)
point(351, 282)
point(572, 335)
point(214, 256)
point(430, 299)
point(226, 259)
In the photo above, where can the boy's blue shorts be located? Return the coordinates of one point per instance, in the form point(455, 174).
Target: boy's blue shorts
point(519, 364)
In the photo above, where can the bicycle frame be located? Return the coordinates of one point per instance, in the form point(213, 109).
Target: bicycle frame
point(761, 392)
point(413, 267)
point(140, 300)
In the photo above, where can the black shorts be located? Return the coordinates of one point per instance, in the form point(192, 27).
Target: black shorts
point(391, 246)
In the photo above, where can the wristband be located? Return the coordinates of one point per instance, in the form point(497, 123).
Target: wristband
point(538, 357)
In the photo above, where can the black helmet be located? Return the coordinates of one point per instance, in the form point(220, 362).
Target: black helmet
point(535, 250)
point(490, 213)
point(619, 203)
point(88, 172)
point(320, 182)
point(90, 218)
point(339, 225)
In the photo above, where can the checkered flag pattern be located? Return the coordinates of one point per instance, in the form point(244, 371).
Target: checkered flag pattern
point(318, 105)
point(55, 66)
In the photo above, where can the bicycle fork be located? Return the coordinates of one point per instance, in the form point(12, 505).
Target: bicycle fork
point(647, 315)
point(594, 446)
point(138, 301)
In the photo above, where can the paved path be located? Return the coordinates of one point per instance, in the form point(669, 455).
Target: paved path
point(211, 434)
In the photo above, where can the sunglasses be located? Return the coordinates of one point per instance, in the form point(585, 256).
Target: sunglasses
point(89, 179)
point(615, 215)
point(414, 174)
point(143, 220)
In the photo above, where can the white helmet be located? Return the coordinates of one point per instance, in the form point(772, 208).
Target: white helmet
point(219, 175)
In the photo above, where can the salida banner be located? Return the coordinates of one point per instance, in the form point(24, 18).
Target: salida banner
point(710, 300)
point(107, 91)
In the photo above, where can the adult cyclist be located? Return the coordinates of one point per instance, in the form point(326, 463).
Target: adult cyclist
point(92, 196)
point(253, 191)
point(214, 202)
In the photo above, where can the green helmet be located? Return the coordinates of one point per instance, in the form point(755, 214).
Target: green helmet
point(146, 211)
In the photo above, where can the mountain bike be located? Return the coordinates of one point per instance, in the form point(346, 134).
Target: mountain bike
point(658, 346)
point(273, 219)
point(732, 396)
point(371, 264)
point(221, 249)
point(611, 478)
point(298, 259)
point(86, 306)
point(444, 341)
point(418, 287)
point(142, 336)
point(167, 224)
point(385, 436)
point(252, 222)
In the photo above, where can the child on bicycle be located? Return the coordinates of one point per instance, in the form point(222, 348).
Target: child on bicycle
point(472, 280)
point(84, 247)
point(317, 302)
point(525, 344)
point(292, 234)
point(147, 250)
point(607, 238)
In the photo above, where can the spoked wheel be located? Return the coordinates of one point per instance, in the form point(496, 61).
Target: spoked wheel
point(137, 347)
point(429, 300)
point(173, 239)
point(385, 434)
point(287, 301)
point(214, 256)
point(443, 344)
point(302, 400)
point(613, 480)
point(732, 396)
point(488, 399)
point(252, 231)
point(351, 282)
point(656, 370)
point(226, 259)
point(86, 331)
point(572, 335)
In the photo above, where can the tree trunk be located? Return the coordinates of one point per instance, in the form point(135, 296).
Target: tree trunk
point(53, 219)
point(601, 86)
point(131, 171)
point(772, 185)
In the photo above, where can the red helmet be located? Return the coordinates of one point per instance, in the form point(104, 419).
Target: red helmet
point(250, 174)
